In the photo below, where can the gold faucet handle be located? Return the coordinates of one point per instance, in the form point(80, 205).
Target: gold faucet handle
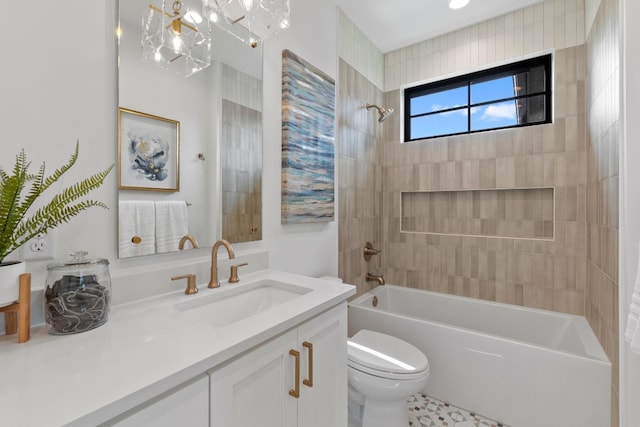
point(191, 283)
point(369, 251)
point(233, 277)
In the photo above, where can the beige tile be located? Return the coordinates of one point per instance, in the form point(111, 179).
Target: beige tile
point(583, 220)
point(505, 172)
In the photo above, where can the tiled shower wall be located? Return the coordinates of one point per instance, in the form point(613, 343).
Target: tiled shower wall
point(359, 52)
point(603, 142)
point(576, 155)
point(553, 24)
point(241, 161)
point(518, 213)
point(548, 274)
point(541, 156)
point(540, 273)
point(359, 150)
point(360, 177)
point(241, 155)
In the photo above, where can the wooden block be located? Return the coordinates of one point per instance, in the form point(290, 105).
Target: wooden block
point(10, 322)
point(18, 315)
point(24, 311)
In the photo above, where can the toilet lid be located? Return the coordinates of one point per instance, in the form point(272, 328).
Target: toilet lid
point(385, 353)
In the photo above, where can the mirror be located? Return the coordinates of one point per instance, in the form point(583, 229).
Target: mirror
point(218, 115)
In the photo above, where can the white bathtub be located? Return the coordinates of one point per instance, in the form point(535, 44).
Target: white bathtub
point(520, 366)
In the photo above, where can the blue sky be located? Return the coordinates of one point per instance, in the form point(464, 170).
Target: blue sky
point(489, 116)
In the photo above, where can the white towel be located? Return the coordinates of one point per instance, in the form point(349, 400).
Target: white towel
point(632, 333)
point(171, 224)
point(136, 223)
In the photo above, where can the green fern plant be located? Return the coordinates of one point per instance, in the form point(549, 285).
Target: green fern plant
point(19, 189)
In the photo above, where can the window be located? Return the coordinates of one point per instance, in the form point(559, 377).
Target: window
point(512, 95)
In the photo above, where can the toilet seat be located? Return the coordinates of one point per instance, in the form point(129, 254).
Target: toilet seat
point(386, 356)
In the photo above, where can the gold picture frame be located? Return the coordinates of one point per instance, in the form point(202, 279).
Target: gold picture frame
point(148, 152)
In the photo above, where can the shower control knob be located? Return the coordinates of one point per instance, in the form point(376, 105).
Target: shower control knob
point(370, 251)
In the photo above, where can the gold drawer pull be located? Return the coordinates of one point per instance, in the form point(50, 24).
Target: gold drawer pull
point(295, 392)
point(309, 381)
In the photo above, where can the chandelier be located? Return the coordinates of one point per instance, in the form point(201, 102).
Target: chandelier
point(249, 20)
point(176, 38)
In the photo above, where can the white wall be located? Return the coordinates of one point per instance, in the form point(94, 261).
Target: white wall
point(302, 248)
point(58, 85)
point(61, 86)
point(629, 208)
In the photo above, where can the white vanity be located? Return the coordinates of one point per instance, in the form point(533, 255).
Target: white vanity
point(269, 351)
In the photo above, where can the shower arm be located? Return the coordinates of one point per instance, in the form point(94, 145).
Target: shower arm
point(383, 113)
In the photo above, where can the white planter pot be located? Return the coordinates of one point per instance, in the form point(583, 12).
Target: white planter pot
point(10, 272)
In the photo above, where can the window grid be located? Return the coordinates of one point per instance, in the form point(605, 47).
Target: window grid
point(475, 78)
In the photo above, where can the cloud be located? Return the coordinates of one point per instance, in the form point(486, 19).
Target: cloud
point(500, 112)
point(437, 107)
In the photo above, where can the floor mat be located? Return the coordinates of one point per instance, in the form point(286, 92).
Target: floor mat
point(425, 411)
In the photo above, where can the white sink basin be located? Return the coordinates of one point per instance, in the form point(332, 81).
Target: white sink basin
point(238, 302)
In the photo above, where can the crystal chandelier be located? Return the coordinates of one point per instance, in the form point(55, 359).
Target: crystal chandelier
point(249, 20)
point(176, 38)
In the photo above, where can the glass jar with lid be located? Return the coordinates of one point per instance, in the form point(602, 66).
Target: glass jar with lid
point(77, 296)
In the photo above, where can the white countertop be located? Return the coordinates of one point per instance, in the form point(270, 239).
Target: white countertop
point(145, 348)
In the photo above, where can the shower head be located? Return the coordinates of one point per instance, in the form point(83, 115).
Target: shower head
point(383, 113)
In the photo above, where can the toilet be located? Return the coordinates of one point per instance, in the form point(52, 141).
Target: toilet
point(384, 372)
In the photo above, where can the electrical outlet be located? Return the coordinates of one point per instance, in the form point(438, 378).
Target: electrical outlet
point(42, 246)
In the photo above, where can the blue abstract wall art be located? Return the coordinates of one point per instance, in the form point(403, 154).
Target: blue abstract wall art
point(308, 142)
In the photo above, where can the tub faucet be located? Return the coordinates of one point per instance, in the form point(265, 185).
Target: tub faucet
point(213, 281)
point(373, 278)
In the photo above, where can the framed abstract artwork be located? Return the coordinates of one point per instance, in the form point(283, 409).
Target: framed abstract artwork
point(148, 152)
point(308, 142)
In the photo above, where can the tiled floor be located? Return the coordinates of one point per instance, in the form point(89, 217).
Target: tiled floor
point(425, 411)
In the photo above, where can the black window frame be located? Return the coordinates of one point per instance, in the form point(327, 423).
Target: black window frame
point(478, 77)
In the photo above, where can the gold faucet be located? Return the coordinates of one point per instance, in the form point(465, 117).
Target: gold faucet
point(190, 238)
point(373, 278)
point(213, 282)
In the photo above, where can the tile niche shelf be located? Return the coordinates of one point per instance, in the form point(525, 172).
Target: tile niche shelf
point(520, 213)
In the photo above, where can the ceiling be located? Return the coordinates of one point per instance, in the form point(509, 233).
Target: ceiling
point(394, 24)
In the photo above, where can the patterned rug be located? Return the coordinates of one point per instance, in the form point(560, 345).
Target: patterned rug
point(425, 411)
